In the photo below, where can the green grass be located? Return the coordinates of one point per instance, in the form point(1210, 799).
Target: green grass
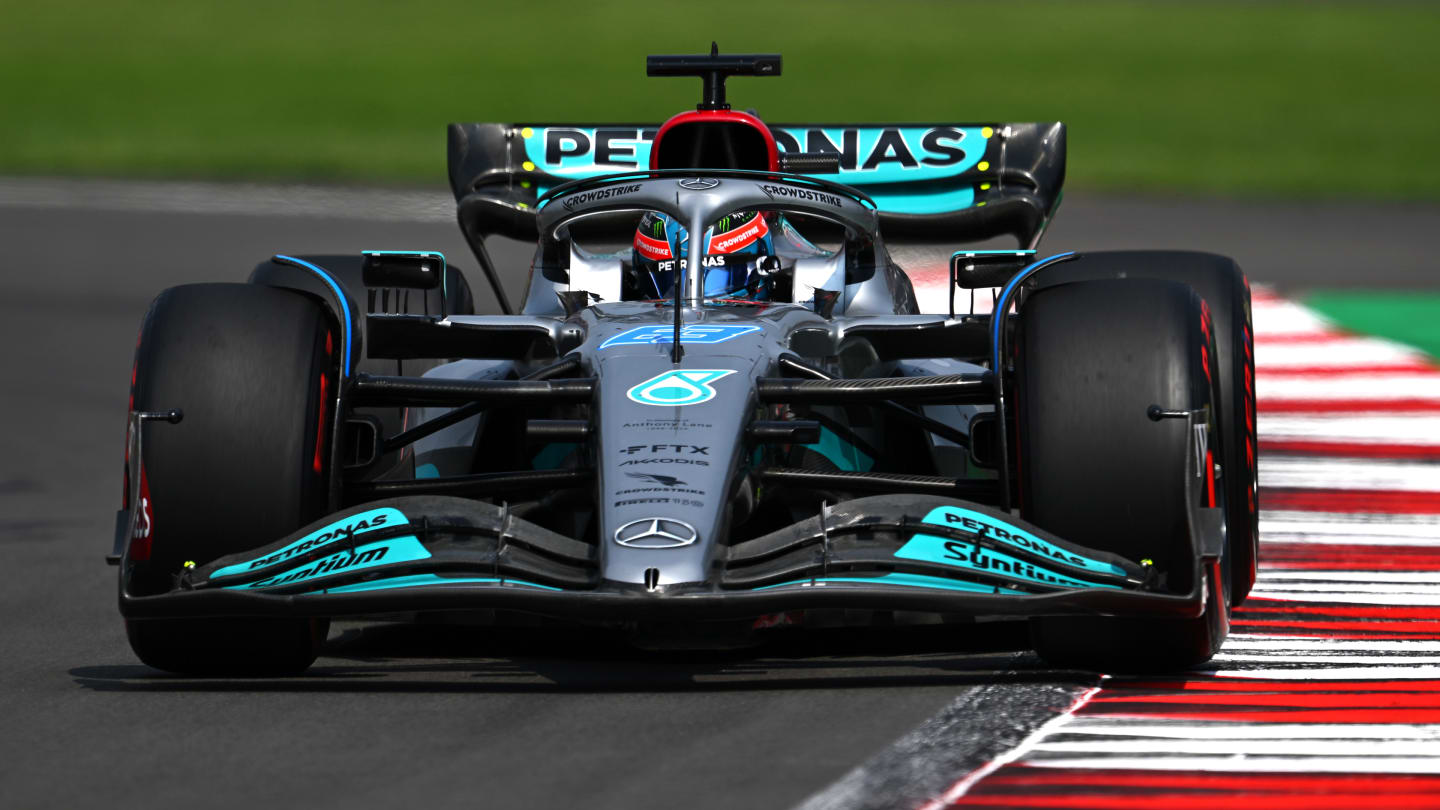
point(1292, 99)
point(1411, 317)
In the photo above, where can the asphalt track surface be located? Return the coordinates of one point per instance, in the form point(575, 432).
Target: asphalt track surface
point(448, 716)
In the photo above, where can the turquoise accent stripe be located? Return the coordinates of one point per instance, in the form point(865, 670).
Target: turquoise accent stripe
point(919, 203)
point(427, 471)
point(371, 555)
point(960, 554)
point(358, 523)
point(1002, 531)
point(894, 154)
point(972, 556)
point(906, 580)
point(841, 453)
point(339, 294)
point(552, 456)
point(424, 580)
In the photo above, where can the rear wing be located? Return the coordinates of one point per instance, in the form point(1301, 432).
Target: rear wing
point(952, 183)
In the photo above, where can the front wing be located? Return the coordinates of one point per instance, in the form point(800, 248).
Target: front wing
point(914, 552)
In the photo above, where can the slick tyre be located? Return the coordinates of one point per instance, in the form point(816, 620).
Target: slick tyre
point(253, 370)
point(1223, 286)
point(1091, 358)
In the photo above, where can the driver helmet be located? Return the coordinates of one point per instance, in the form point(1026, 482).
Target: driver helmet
point(734, 247)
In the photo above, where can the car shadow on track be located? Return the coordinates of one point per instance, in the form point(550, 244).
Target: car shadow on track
point(457, 658)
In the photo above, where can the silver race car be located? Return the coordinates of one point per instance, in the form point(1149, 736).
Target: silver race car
point(719, 406)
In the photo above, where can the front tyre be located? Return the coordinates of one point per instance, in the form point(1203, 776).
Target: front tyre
point(253, 369)
point(1091, 358)
point(1222, 285)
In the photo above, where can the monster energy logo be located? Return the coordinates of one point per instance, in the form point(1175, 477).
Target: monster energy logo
point(734, 220)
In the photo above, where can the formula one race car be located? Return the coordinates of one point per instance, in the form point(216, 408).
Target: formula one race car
point(751, 427)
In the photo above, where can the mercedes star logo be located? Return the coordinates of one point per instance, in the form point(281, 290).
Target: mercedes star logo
point(656, 533)
point(699, 183)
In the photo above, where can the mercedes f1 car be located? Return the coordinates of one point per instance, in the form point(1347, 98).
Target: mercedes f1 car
point(719, 404)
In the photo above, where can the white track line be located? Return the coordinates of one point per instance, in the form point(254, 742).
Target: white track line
point(1423, 429)
point(1225, 730)
point(1237, 642)
point(1239, 762)
point(1329, 473)
point(1307, 658)
point(1341, 354)
point(1410, 672)
point(1347, 597)
point(1245, 747)
point(1364, 530)
point(1284, 518)
point(1280, 318)
point(963, 786)
point(1312, 575)
point(1342, 538)
point(1378, 387)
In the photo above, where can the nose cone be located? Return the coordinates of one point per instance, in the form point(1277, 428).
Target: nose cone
point(670, 442)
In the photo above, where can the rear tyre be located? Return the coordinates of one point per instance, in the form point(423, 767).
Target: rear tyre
point(1091, 358)
point(253, 370)
point(1224, 288)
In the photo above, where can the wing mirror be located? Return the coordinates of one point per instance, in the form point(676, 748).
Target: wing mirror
point(975, 269)
point(408, 269)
